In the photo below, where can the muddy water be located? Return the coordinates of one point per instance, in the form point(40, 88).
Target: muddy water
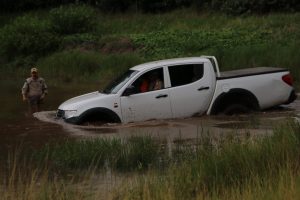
point(184, 129)
point(18, 128)
point(189, 128)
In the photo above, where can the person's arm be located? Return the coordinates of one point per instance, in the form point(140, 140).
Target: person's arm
point(44, 89)
point(24, 91)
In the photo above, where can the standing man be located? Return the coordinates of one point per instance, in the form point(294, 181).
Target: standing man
point(34, 91)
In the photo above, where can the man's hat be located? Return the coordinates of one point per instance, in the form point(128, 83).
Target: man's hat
point(34, 70)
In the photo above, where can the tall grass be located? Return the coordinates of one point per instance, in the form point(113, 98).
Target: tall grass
point(232, 168)
point(136, 153)
point(80, 65)
point(25, 181)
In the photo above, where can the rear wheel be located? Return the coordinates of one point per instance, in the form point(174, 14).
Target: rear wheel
point(236, 109)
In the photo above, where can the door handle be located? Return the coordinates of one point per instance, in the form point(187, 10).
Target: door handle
point(161, 96)
point(203, 88)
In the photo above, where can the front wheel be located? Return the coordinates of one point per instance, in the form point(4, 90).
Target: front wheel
point(236, 109)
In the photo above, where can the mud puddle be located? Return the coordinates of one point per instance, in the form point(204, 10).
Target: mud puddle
point(190, 128)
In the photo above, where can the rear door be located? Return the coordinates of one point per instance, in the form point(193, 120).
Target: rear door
point(191, 88)
point(151, 99)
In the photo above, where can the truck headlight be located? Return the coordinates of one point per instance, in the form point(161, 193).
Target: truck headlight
point(70, 113)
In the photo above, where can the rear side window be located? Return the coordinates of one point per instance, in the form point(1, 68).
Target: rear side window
point(185, 74)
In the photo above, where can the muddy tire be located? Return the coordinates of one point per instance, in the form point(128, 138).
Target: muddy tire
point(235, 109)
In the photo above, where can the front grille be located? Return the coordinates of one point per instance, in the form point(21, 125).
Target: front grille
point(60, 113)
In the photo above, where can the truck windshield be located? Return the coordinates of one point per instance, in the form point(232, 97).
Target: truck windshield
point(119, 82)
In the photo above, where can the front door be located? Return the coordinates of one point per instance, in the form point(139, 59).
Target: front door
point(150, 101)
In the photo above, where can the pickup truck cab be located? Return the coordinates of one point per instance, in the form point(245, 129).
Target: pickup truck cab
point(179, 88)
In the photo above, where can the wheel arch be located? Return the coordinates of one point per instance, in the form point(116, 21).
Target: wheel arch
point(99, 113)
point(240, 96)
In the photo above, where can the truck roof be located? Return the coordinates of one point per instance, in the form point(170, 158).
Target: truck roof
point(173, 61)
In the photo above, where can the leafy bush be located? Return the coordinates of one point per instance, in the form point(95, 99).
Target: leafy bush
point(73, 19)
point(229, 6)
point(254, 6)
point(181, 42)
point(27, 36)
point(165, 5)
point(82, 39)
point(114, 5)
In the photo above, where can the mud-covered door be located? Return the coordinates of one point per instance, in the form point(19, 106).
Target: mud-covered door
point(151, 100)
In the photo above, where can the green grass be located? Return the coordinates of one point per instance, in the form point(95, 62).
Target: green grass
point(230, 168)
point(136, 153)
point(119, 41)
point(80, 65)
point(234, 168)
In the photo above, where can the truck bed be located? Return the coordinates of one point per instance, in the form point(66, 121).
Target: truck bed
point(249, 72)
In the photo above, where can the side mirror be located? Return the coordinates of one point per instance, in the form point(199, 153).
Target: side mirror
point(129, 91)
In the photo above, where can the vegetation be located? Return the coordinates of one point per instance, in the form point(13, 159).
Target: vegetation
point(75, 65)
point(231, 167)
point(73, 19)
point(65, 40)
point(86, 43)
point(137, 153)
point(26, 36)
point(229, 6)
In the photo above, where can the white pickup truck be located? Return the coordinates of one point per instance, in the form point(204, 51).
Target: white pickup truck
point(179, 88)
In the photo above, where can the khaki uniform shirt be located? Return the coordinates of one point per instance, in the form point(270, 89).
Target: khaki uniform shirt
point(33, 87)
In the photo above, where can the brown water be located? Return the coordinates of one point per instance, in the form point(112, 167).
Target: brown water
point(189, 128)
point(18, 128)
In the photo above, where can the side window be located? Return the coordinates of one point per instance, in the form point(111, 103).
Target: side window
point(185, 74)
point(150, 81)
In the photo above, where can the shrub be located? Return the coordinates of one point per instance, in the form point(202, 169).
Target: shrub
point(20, 5)
point(176, 43)
point(73, 19)
point(237, 7)
point(26, 36)
point(114, 5)
point(83, 39)
point(165, 5)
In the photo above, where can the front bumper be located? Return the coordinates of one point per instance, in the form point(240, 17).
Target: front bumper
point(60, 114)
